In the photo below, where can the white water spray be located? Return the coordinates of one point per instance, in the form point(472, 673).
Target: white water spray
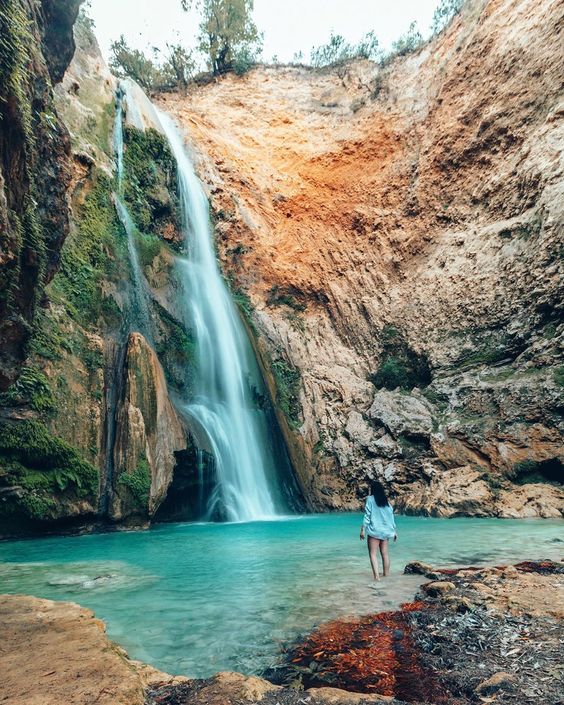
point(225, 409)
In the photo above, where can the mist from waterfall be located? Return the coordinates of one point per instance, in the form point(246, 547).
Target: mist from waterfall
point(227, 407)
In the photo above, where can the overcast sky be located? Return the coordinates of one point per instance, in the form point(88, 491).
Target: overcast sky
point(289, 26)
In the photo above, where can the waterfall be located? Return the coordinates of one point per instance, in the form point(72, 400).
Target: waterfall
point(141, 298)
point(225, 410)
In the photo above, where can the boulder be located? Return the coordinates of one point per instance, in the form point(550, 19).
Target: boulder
point(418, 568)
point(438, 588)
point(402, 414)
point(149, 431)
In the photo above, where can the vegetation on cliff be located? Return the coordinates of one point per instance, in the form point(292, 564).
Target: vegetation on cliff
point(42, 476)
point(138, 482)
point(33, 172)
point(150, 186)
point(94, 255)
point(401, 366)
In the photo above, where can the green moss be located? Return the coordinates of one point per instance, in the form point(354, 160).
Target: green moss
point(31, 388)
point(91, 256)
point(47, 340)
point(176, 349)
point(178, 341)
point(44, 467)
point(148, 247)
point(485, 356)
point(288, 382)
point(150, 183)
point(439, 400)
point(319, 448)
point(16, 45)
point(401, 366)
point(245, 305)
point(138, 482)
point(558, 376)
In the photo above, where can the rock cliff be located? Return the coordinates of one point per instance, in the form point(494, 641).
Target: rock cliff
point(88, 433)
point(396, 234)
point(34, 165)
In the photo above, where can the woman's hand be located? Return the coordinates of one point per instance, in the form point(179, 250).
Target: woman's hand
point(362, 533)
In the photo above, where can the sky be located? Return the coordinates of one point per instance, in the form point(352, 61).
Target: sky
point(289, 26)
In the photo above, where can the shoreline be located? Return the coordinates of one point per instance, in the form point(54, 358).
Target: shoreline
point(59, 652)
point(94, 528)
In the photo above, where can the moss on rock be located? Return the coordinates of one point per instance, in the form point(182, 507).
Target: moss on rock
point(139, 483)
point(401, 366)
point(94, 254)
point(150, 182)
point(43, 473)
point(288, 382)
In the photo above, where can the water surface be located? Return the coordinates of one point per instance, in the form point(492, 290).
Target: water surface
point(199, 598)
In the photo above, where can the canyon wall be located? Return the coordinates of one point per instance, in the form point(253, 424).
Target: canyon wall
point(88, 433)
point(394, 236)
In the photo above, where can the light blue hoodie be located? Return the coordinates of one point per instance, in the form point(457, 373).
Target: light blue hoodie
point(378, 521)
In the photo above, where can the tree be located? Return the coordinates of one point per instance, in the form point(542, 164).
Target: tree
point(179, 66)
point(153, 75)
point(228, 34)
point(408, 42)
point(338, 50)
point(444, 13)
point(133, 63)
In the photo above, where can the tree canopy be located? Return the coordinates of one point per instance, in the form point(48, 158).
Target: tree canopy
point(228, 35)
point(174, 71)
point(338, 49)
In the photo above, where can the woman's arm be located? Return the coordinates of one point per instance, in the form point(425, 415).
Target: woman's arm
point(394, 524)
point(366, 519)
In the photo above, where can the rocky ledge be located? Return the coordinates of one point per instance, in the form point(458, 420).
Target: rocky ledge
point(471, 635)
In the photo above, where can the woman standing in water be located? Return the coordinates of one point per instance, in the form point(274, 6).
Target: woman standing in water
point(380, 526)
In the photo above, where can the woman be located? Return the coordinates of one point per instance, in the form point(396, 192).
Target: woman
point(380, 526)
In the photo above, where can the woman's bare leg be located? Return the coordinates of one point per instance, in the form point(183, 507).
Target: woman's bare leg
point(385, 556)
point(373, 553)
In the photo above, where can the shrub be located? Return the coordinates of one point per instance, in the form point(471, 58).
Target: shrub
point(244, 60)
point(138, 482)
point(44, 467)
point(337, 50)
point(31, 387)
point(401, 366)
point(406, 44)
point(444, 14)
point(288, 381)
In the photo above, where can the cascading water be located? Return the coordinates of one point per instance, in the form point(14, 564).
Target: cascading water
point(225, 410)
point(140, 309)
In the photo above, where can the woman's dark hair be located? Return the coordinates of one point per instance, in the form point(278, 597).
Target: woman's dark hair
point(379, 493)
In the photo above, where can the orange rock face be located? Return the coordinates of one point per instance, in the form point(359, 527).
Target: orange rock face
point(423, 203)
